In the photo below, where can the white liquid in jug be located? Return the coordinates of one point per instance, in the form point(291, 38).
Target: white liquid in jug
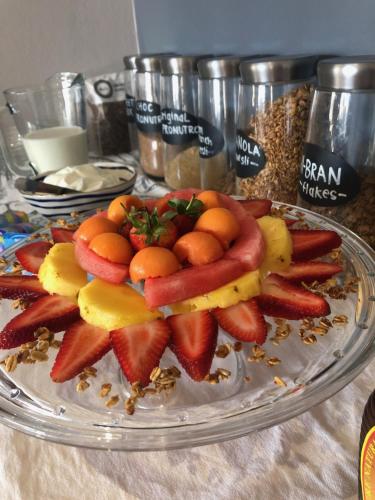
point(56, 147)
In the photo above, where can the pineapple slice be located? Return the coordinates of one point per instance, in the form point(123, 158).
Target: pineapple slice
point(243, 288)
point(278, 244)
point(60, 273)
point(110, 306)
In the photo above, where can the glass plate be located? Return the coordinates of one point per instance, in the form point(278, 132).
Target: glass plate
point(200, 413)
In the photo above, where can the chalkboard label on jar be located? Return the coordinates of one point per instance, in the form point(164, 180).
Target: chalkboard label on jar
point(250, 157)
point(148, 117)
point(130, 108)
point(178, 127)
point(326, 179)
point(211, 139)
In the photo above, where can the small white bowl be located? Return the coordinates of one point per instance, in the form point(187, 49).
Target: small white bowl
point(55, 205)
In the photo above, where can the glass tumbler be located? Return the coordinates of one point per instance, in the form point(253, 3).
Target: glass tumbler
point(51, 119)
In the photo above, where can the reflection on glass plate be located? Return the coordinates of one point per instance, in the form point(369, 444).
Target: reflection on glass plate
point(255, 396)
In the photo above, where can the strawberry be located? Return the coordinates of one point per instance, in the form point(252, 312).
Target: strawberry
point(310, 271)
point(21, 287)
point(257, 208)
point(139, 348)
point(281, 298)
point(32, 255)
point(290, 222)
point(82, 345)
point(243, 321)
point(151, 230)
point(193, 341)
point(61, 235)
point(309, 244)
point(184, 224)
point(183, 213)
point(53, 312)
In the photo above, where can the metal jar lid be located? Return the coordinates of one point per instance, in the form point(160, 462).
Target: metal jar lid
point(219, 67)
point(278, 69)
point(130, 61)
point(178, 65)
point(347, 73)
point(148, 63)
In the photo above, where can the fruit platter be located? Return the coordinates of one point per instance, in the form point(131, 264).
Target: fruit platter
point(180, 321)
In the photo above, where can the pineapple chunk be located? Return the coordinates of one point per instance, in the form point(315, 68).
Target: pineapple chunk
point(110, 306)
point(243, 288)
point(278, 244)
point(60, 273)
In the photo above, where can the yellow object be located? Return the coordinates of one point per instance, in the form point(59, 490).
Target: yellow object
point(278, 244)
point(243, 288)
point(110, 306)
point(60, 273)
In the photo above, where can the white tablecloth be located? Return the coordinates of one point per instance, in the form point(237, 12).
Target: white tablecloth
point(313, 456)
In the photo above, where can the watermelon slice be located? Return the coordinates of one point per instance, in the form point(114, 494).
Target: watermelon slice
point(98, 266)
point(190, 282)
point(249, 248)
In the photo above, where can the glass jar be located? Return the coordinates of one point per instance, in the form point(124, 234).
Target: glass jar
point(130, 84)
point(179, 95)
point(337, 176)
point(148, 116)
point(218, 86)
point(274, 102)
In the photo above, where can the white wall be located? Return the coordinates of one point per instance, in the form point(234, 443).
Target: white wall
point(41, 37)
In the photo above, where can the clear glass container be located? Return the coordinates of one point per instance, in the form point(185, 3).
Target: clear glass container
point(179, 95)
point(148, 116)
point(274, 102)
point(337, 176)
point(130, 92)
point(198, 413)
point(218, 86)
point(51, 119)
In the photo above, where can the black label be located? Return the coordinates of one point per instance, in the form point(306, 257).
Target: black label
point(148, 116)
point(130, 108)
point(178, 127)
point(250, 157)
point(211, 139)
point(326, 179)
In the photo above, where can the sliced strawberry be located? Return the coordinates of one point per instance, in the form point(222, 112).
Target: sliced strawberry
point(243, 321)
point(257, 208)
point(61, 235)
point(310, 271)
point(139, 348)
point(193, 341)
point(53, 312)
point(281, 298)
point(309, 244)
point(32, 255)
point(21, 287)
point(83, 345)
point(290, 222)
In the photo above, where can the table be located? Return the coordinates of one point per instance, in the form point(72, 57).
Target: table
point(313, 456)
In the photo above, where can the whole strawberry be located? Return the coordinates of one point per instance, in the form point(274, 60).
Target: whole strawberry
point(151, 230)
point(183, 213)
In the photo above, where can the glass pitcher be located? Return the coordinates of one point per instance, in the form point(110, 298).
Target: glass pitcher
point(51, 120)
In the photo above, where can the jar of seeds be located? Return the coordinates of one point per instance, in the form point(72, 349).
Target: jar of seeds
point(337, 175)
point(129, 76)
point(179, 95)
point(148, 116)
point(274, 104)
point(218, 86)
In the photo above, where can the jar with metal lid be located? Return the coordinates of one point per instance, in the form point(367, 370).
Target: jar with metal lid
point(274, 101)
point(337, 175)
point(130, 90)
point(218, 86)
point(179, 95)
point(148, 116)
